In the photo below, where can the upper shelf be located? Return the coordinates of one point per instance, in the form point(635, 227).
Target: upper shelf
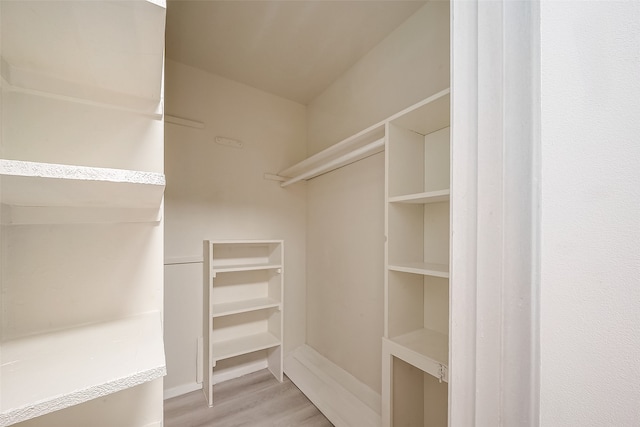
point(45, 373)
point(427, 116)
point(104, 51)
point(45, 185)
point(363, 144)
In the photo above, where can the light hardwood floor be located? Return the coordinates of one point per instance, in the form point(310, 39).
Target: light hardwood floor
point(256, 399)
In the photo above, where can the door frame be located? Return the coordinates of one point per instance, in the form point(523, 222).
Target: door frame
point(495, 211)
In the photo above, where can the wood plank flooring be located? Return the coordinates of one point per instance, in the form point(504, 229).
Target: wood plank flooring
point(254, 400)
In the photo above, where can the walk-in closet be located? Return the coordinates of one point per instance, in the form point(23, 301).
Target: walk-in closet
point(307, 144)
point(319, 212)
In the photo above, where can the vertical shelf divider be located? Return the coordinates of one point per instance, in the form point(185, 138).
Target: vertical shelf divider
point(417, 265)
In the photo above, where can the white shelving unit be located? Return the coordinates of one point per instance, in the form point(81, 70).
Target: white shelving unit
point(416, 344)
point(243, 303)
point(81, 189)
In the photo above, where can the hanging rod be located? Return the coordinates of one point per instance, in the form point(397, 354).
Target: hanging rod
point(371, 148)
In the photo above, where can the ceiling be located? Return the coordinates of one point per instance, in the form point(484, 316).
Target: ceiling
point(293, 49)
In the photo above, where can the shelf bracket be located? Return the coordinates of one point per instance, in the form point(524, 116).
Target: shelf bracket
point(274, 177)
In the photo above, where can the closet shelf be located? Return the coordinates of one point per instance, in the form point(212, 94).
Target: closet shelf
point(53, 185)
point(427, 116)
point(45, 373)
point(363, 144)
point(237, 307)
point(422, 198)
point(244, 345)
point(102, 51)
point(425, 349)
point(424, 268)
point(244, 267)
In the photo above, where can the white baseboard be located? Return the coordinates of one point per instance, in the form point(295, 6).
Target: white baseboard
point(181, 389)
point(342, 398)
point(238, 371)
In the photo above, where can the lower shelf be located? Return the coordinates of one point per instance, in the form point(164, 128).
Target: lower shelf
point(49, 372)
point(231, 348)
point(425, 349)
point(342, 398)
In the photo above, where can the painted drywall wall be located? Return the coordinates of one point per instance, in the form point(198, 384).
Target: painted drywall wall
point(406, 67)
point(218, 192)
point(345, 260)
point(590, 227)
point(345, 267)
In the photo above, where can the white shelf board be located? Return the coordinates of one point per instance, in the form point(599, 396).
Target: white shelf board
point(422, 198)
point(250, 242)
point(350, 150)
point(244, 267)
point(53, 185)
point(344, 399)
point(424, 268)
point(425, 349)
point(427, 116)
point(243, 345)
point(236, 307)
point(79, 49)
point(45, 373)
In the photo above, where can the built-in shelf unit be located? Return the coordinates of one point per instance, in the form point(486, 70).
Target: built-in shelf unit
point(415, 345)
point(243, 303)
point(81, 189)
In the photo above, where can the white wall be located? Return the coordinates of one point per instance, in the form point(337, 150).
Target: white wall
point(345, 220)
point(218, 192)
point(406, 67)
point(345, 267)
point(590, 228)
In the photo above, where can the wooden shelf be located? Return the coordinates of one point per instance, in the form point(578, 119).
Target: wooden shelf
point(422, 198)
point(363, 144)
point(244, 345)
point(47, 184)
point(427, 116)
point(247, 267)
point(237, 307)
point(425, 349)
point(233, 327)
point(424, 268)
point(106, 52)
point(45, 373)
